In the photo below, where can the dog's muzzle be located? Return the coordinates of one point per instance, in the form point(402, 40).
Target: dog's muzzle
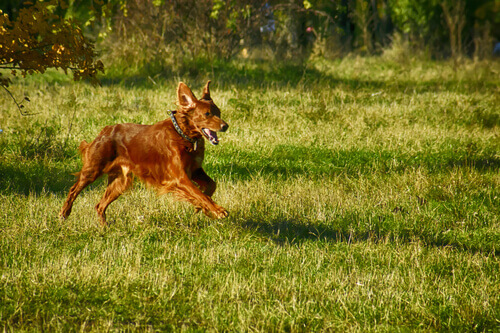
point(212, 135)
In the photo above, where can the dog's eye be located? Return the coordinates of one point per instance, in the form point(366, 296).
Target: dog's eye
point(207, 114)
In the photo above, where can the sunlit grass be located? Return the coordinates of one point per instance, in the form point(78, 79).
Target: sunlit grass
point(363, 195)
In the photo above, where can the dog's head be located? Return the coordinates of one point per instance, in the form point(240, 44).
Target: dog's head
point(202, 115)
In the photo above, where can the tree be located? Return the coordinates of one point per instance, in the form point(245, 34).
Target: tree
point(363, 17)
point(454, 15)
point(39, 39)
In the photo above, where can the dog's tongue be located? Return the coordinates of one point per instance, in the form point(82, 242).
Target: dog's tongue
point(212, 136)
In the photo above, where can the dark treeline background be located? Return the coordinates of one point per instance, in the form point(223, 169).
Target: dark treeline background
point(157, 34)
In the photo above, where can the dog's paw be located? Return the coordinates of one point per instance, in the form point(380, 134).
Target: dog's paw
point(63, 216)
point(220, 212)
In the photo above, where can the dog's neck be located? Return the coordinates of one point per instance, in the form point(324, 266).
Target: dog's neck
point(194, 141)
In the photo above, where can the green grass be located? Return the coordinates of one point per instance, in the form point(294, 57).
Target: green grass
point(364, 195)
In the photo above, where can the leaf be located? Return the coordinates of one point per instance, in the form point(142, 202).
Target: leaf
point(38, 39)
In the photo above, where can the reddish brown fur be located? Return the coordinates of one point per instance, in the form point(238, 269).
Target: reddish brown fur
point(157, 154)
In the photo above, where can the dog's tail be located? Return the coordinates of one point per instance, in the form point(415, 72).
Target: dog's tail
point(83, 147)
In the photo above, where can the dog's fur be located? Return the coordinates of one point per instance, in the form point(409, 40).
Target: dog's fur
point(157, 154)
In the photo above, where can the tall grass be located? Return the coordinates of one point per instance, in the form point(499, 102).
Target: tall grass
point(364, 196)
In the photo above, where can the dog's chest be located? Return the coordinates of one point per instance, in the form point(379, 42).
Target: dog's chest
point(198, 160)
point(198, 157)
point(193, 159)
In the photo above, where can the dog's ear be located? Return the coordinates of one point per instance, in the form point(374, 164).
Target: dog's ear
point(206, 92)
point(185, 96)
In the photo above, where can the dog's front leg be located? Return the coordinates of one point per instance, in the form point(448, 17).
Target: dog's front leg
point(206, 184)
point(187, 190)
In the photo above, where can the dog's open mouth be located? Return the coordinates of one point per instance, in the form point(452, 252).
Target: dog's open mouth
point(211, 136)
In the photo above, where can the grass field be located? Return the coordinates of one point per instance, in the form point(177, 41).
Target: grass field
point(364, 195)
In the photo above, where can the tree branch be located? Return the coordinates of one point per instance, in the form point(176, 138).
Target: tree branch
point(19, 106)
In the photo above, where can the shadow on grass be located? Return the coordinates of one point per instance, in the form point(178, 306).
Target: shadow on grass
point(287, 162)
point(318, 162)
point(35, 177)
point(297, 232)
point(232, 73)
point(246, 74)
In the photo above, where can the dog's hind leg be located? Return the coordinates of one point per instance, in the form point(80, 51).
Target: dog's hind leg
point(118, 182)
point(85, 177)
point(95, 156)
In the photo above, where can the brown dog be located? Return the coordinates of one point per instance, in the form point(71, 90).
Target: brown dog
point(167, 155)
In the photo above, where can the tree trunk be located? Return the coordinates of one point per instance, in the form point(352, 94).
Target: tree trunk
point(455, 20)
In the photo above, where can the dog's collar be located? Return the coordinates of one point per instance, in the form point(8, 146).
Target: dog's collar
point(179, 130)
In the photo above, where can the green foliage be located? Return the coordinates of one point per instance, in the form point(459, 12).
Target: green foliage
point(162, 36)
point(488, 10)
point(414, 17)
point(39, 39)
